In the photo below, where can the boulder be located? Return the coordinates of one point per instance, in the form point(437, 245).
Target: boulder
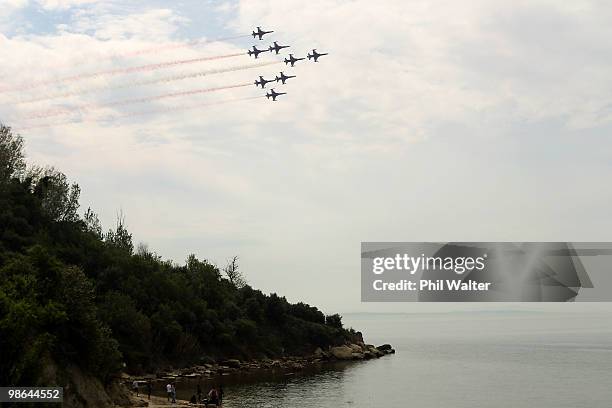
point(384, 347)
point(232, 363)
point(357, 356)
point(342, 352)
point(356, 348)
point(375, 352)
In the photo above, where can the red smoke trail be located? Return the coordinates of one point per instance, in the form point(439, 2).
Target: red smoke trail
point(151, 82)
point(150, 50)
point(185, 108)
point(119, 71)
point(175, 46)
point(143, 113)
point(57, 112)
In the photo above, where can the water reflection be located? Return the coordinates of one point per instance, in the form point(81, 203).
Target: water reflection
point(272, 387)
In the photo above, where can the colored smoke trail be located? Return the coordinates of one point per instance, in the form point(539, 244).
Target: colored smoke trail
point(58, 112)
point(150, 82)
point(176, 46)
point(143, 113)
point(188, 107)
point(119, 71)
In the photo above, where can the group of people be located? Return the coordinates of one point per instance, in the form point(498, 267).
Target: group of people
point(171, 391)
point(149, 388)
point(214, 396)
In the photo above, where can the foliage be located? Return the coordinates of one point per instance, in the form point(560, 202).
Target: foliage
point(234, 274)
point(73, 293)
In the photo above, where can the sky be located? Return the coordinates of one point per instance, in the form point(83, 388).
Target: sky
point(428, 121)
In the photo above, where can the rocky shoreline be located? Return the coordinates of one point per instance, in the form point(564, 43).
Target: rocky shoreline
point(348, 352)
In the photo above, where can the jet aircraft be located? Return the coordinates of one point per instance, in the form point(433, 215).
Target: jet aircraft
point(292, 60)
point(282, 78)
point(273, 94)
point(255, 52)
point(262, 82)
point(315, 55)
point(276, 48)
point(260, 33)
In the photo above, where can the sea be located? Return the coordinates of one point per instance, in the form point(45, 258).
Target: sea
point(464, 359)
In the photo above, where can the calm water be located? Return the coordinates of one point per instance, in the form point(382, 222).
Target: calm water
point(493, 359)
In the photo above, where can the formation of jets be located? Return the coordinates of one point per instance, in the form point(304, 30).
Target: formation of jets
point(290, 60)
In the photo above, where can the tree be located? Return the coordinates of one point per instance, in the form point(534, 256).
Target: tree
point(233, 273)
point(334, 321)
point(92, 223)
point(60, 199)
point(12, 161)
point(120, 237)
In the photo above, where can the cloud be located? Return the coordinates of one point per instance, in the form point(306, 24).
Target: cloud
point(52, 5)
point(150, 25)
point(8, 9)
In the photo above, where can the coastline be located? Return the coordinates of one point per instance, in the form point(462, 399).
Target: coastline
point(217, 372)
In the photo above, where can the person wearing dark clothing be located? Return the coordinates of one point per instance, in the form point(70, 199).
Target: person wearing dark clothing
point(149, 389)
point(213, 396)
point(199, 393)
point(220, 392)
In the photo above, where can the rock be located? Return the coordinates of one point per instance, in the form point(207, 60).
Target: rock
point(318, 353)
point(297, 366)
point(374, 351)
point(342, 352)
point(357, 356)
point(206, 360)
point(356, 348)
point(233, 363)
point(384, 347)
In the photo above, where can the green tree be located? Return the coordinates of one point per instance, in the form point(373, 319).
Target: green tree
point(12, 161)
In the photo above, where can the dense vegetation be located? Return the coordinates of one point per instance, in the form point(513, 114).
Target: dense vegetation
point(70, 292)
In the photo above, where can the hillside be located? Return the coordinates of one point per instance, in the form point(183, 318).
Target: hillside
point(72, 294)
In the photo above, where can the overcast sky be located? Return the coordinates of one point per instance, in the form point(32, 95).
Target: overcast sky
point(429, 120)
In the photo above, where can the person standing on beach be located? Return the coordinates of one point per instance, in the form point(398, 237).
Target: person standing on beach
point(213, 396)
point(149, 388)
point(173, 393)
point(220, 394)
point(169, 391)
point(135, 387)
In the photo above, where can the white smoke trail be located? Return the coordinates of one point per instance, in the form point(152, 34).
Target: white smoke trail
point(82, 108)
point(147, 82)
point(118, 71)
point(137, 114)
